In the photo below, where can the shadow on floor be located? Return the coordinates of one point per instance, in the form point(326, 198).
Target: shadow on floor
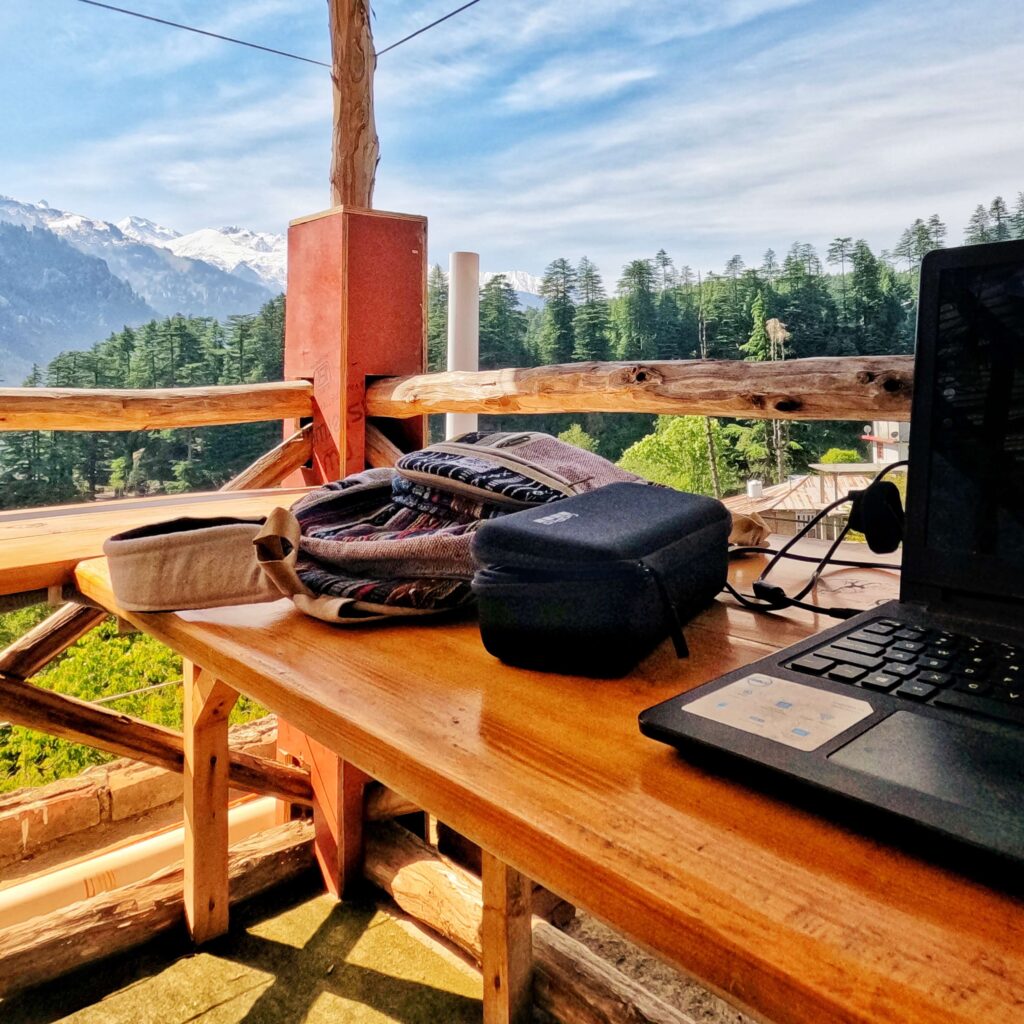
point(293, 956)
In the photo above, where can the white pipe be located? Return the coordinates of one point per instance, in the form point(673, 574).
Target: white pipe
point(463, 328)
point(122, 866)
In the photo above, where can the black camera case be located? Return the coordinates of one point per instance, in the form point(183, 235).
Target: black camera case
point(591, 584)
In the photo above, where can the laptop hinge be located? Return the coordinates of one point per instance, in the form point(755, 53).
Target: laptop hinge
point(1006, 614)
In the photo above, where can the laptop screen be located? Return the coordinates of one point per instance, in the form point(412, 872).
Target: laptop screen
point(967, 432)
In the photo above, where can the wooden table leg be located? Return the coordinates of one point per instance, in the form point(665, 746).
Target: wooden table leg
point(208, 702)
point(338, 790)
point(507, 943)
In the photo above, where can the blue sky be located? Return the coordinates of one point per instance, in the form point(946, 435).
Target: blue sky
point(532, 129)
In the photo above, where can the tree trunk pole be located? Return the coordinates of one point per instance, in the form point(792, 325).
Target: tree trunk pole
point(356, 150)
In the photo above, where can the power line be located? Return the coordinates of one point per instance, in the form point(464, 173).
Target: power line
point(203, 32)
point(268, 49)
point(420, 31)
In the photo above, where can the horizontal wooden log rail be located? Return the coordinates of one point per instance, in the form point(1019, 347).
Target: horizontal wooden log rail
point(59, 715)
point(25, 656)
point(830, 388)
point(155, 409)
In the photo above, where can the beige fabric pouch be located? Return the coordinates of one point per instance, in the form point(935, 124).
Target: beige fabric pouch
point(200, 563)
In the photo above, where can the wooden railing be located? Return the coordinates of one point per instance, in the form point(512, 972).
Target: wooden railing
point(81, 409)
point(834, 388)
point(152, 409)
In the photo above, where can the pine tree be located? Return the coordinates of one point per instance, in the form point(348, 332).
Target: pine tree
point(979, 227)
point(668, 341)
point(805, 304)
point(999, 214)
point(758, 345)
point(635, 315)
point(733, 269)
point(502, 326)
point(591, 322)
point(437, 319)
point(558, 288)
point(839, 252)
point(936, 231)
point(1017, 221)
point(770, 266)
point(665, 269)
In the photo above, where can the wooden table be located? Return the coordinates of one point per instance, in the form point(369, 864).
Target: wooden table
point(783, 913)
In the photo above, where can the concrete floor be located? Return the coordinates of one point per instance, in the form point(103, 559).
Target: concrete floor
point(292, 958)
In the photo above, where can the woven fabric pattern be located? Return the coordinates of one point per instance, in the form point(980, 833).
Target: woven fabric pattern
point(387, 539)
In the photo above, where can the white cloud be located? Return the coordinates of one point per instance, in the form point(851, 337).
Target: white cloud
point(252, 160)
point(854, 143)
point(564, 82)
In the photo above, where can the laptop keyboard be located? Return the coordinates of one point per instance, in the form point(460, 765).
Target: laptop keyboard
point(949, 670)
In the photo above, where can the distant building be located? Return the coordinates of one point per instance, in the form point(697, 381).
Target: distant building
point(888, 440)
point(787, 507)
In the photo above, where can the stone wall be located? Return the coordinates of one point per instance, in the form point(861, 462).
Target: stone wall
point(33, 819)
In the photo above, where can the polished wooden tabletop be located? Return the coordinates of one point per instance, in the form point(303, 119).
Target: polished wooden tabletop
point(40, 547)
point(793, 917)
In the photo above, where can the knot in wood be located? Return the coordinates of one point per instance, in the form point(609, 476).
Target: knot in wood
point(642, 375)
point(894, 385)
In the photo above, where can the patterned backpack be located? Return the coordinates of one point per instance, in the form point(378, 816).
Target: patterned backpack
point(397, 542)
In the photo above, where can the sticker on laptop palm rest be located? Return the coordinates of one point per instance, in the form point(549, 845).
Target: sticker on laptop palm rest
point(778, 709)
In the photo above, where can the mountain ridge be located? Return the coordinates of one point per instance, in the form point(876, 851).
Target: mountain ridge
point(149, 270)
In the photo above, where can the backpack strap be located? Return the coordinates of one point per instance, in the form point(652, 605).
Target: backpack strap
point(277, 551)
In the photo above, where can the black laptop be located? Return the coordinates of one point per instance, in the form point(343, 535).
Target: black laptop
point(915, 708)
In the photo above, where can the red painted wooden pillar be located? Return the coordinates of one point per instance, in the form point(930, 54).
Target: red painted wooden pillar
point(355, 308)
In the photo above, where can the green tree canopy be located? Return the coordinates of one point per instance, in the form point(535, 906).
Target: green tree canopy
point(676, 454)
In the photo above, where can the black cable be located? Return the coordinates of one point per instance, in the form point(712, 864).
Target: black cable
point(754, 605)
point(420, 31)
point(809, 585)
point(774, 598)
point(257, 46)
point(846, 563)
point(202, 32)
point(808, 526)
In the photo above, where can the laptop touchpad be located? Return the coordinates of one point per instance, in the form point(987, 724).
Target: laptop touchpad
point(967, 765)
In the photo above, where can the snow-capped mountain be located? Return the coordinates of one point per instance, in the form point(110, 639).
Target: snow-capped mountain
point(169, 282)
point(520, 280)
point(527, 286)
point(139, 229)
point(253, 255)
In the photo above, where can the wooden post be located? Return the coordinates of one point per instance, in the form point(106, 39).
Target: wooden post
point(356, 310)
point(338, 797)
point(507, 944)
point(356, 149)
point(208, 702)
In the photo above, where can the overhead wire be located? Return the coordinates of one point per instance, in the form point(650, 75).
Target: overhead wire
point(203, 32)
point(420, 31)
point(268, 49)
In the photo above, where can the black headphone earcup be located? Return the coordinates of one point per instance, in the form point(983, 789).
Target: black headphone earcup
point(878, 514)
